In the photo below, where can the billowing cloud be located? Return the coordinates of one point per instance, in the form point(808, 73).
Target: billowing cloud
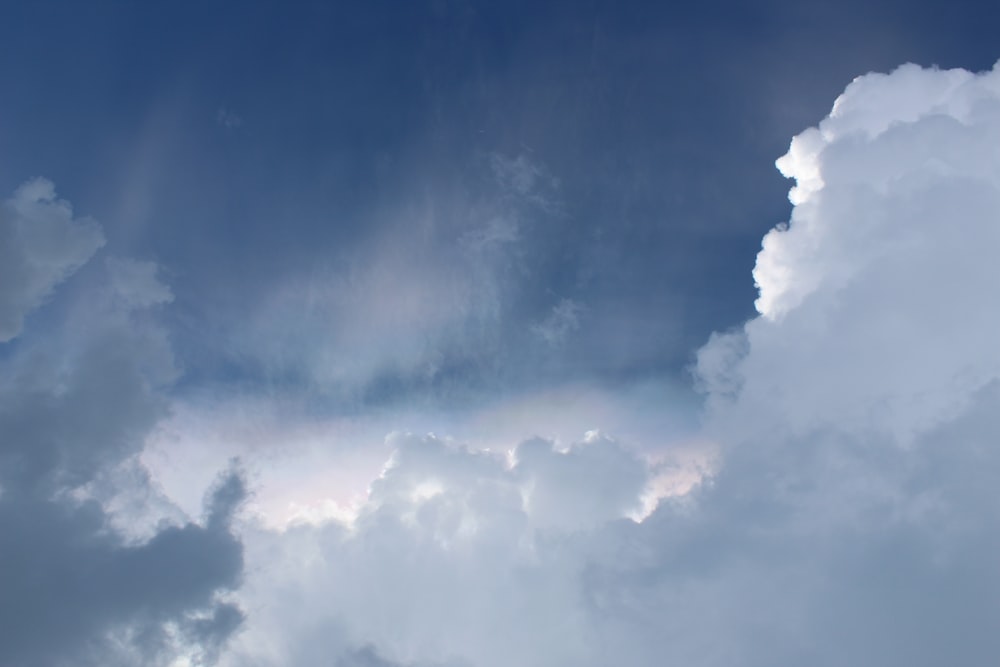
point(458, 557)
point(879, 290)
point(858, 411)
point(851, 519)
point(76, 402)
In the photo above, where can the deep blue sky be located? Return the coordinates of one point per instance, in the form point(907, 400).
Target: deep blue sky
point(243, 145)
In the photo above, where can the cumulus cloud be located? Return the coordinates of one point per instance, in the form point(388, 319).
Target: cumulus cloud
point(858, 408)
point(879, 286)
point(851, 519)
point(41, 244)
point(458, 557)
point(76, 402)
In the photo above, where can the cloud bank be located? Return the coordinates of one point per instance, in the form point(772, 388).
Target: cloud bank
point(852, 516)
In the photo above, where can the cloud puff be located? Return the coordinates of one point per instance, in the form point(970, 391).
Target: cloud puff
point(879, 288)
point(76, 402)
point(852, 519)
point(41, 244)
point(858, 411)
point(457, 558)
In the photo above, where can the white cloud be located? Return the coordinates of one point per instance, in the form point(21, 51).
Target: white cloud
point(879, 289)
point(858, 410)
point(455, 558)
point(135, 283)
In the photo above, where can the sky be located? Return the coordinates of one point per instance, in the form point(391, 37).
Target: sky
point(457, 333)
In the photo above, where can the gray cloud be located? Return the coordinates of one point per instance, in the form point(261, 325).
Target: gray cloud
point(858, 410)
point(41, 244)
point(851, 519)
point(76, 402)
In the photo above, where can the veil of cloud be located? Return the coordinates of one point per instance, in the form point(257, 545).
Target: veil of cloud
point(457, 558)
point(76, 403)
point(858, 411)
point(463, 333)
point(876, 301)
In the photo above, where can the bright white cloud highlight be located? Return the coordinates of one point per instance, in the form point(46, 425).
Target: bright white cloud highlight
point(880, 289)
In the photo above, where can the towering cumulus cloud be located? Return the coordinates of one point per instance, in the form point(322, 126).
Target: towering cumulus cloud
point(76, 401)
point(852, 518)
point(861, 410)
point(878, 306)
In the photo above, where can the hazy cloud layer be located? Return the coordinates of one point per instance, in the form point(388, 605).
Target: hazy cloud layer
point(851, 519)
point(431, 297)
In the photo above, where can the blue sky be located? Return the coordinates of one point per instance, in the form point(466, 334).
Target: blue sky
point(342, 278)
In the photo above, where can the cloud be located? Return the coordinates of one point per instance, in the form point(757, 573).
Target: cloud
point(851, 518)
point(77, 400)
point(878, 288)
point(858, 410)
point(458, 557)
point(41, 244)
